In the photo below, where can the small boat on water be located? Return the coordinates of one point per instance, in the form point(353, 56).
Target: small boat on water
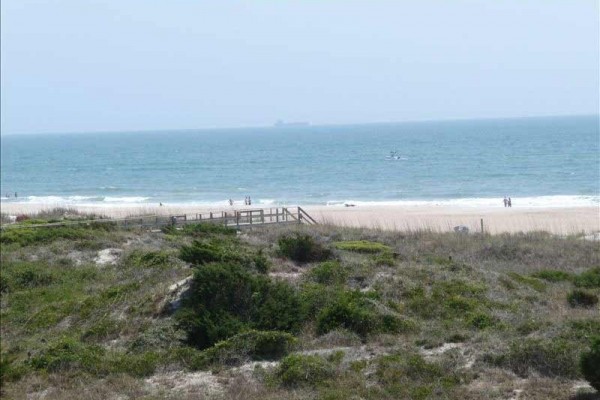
point(394, 156)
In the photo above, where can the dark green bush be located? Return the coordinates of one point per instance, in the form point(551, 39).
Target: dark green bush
point(553, 275)
point(329, 273)
point(589, 279)
point(27, 275)
point(590, 364)
point(226, 299)
point(304, 370)
point(409, 376)
point(549, 357)
point(199, 252)
point(207, 229)
point(302, 248)
point(261, 262)
point(481, 320)
point(363, 246)
point(151, 259)
point(356, 312)
point(581, 298)
point(28, 236)
point(250, 345)
point(68, 354)
point(534, 283)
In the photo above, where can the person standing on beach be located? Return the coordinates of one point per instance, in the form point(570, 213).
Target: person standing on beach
point(505, 202)
point(509, 202)
point(249, 201)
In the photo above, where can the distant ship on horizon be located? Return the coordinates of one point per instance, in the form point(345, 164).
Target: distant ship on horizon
point(281, 123)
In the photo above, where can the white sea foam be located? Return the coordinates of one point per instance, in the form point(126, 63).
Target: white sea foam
point(560, 201)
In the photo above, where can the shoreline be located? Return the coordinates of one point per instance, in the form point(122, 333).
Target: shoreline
point(557, 220)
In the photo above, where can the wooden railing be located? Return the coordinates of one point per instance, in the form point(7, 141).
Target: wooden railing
point(232, 218)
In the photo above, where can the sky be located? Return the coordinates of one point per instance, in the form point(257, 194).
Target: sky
point(92, 66)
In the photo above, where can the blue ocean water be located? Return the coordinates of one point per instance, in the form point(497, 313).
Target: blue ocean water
point(543, 161)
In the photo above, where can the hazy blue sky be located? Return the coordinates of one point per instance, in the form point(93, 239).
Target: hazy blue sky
point(85, 65)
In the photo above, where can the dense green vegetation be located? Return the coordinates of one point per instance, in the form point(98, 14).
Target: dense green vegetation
point(295, 313)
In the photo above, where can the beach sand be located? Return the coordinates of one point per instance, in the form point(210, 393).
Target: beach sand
point(438, 218)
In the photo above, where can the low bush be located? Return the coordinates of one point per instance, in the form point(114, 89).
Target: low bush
point(363, 246)
point(28, 236)
point(151, 259)
point(25, 275)
point(304, 370)
point(302, 248)
point(553, 275)
point(207, 229)
point(356, 312)
point(534, 283)
point(590, 364)
point(261, 262)
point(549, 357)
point(68, 354)
point(329, 273)
point(481, 320)
point(104, 329)
point(384, 258)
point(226, 299)
point(250, 345)
point(200, 252)
point(581, 298)
point(589, 279)
point(411, 376)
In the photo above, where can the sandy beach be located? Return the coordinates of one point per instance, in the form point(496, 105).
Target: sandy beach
point(559, 220)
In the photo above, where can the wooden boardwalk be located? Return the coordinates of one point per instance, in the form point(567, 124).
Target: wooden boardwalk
point(233, 218)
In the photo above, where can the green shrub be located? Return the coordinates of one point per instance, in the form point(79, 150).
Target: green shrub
point(10, 370)
point(590, 364)
point(384, 258)
point(104, 329)
point(137, 365)
point(226, 299)
point(588, 279)
point(329, 273)
point(250, 345)
point(161, 335)
point(68, 354)
point(553, 275)
point(581, 298)
point(261, 262)
point(302, 248)
point(363, 246)
point(356, 312)
point(410, 376)
point(299, 370)
point(29, 275)
point(549, 357)
point(534, 283)
point(199, 253)
point(151, 259)
point(28, 236)
point(481, 321)
point(207, 229)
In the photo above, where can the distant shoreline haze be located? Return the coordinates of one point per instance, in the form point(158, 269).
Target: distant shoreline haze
point(303, 124)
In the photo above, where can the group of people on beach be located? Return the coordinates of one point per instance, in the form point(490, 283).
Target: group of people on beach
point(247, 201)
point(507, 201)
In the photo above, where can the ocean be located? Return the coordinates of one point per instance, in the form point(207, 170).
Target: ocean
point(545, 162)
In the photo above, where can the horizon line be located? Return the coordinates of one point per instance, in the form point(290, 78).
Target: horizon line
point(457, 119)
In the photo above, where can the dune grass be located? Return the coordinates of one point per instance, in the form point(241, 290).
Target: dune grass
point(367, 313)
